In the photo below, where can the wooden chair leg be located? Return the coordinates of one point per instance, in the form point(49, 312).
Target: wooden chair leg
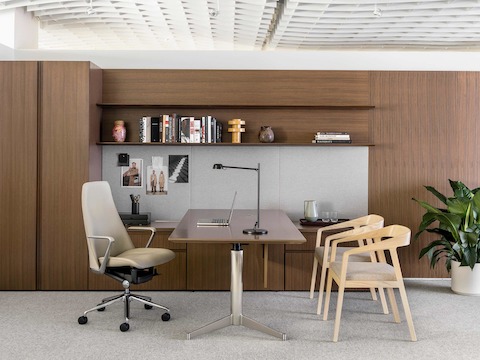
point(393, 304)
point(408, 314)
point(338, 315)
point(321, 289)
point(381, 293)
point(374, 294)
point(314, 277)
point(327, 296)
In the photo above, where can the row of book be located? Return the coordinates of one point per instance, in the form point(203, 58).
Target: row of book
point(332, 137)
point(174, 128)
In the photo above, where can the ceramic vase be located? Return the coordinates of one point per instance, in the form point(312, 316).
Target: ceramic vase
point(266, 134)
point(119, 132)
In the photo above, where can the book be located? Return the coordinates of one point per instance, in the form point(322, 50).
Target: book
point(332, 133)
point(145, 129)
point(155, 129)
point(332, 141)
point(332, 137)
point(165, 128)
point(185, 129)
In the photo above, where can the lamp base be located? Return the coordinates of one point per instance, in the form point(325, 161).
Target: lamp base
point(255, 231)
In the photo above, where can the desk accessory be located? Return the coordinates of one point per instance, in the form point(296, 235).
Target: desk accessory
point(256, 230)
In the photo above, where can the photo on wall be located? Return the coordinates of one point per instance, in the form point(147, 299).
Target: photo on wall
point(156, 180)
point(178, 169)
point(132, 175)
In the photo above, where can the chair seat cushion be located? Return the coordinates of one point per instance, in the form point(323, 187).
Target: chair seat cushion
point(320, 253)
point(366, 271)
point(141, 258)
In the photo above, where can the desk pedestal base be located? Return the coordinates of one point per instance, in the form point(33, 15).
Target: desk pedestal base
point(236, 317)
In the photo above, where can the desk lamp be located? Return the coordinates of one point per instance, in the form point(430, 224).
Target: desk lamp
point(255, 230)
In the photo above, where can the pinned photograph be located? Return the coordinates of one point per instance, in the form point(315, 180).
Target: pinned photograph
point(156, 180)
point(131, 176)
point(178, 169)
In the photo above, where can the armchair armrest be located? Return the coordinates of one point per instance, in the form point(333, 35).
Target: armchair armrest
point(91, 241)
point(145, 228)
point(354, 235)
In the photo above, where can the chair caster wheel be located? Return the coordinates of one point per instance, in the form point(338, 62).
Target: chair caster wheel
point(82, 320)
point(124, 327)
point(148, 307)
point(166, 317)
point(101, 309)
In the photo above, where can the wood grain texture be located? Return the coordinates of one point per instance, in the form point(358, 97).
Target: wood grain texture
point(18, 182)
point(236, 88)
point(67, 160)
point(208, 267)
point(426, 131)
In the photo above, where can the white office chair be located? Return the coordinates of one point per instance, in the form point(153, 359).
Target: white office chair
point(111, 251)
point(321, 255)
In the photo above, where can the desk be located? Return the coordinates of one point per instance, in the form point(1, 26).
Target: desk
point(281, 230)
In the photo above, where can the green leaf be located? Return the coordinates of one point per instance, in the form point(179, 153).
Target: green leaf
point(435, 192)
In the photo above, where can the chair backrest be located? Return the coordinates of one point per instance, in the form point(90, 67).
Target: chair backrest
point(373, 221)
point(100, 218)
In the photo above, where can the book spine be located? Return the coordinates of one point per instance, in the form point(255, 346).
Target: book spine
point(332, 141)
point(142, 136)
point(155, 129)
point(332, 133)
point(148, 127)
point(197, 130)
point(192, 129)
point(332, 137)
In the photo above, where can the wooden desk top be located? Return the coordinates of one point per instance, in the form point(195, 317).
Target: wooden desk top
point(281, 229)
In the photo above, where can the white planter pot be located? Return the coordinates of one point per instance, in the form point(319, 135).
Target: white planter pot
point(465, 281)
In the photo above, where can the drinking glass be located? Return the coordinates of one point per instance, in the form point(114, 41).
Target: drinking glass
point(334, 216)
point(325, 216)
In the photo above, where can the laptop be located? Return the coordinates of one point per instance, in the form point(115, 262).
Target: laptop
point(218, 222)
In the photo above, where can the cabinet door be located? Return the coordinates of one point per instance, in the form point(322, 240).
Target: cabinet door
point(69, 92)
point(18, 180)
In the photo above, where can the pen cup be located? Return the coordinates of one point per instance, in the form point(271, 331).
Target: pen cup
point(135, 208)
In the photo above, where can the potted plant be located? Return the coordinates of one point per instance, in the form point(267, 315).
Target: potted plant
point(458, 226)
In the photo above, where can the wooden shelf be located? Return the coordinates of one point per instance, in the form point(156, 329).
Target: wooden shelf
point(130, 143)
point(257, 107)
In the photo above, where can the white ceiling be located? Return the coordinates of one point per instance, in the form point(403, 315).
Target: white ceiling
point(254, 24)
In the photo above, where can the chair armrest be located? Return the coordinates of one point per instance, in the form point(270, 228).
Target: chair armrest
point(354, 235)
point(91, 243)
point(145, 228)
point(340, 225)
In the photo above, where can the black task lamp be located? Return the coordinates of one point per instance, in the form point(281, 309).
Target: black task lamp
point(255, 230)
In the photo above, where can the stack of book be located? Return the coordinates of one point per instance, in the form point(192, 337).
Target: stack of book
point(180, 129)
point(332, 137)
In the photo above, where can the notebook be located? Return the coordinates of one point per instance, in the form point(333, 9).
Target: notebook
point(218, 222)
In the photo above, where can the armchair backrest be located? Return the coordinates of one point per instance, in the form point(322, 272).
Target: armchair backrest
point(100, 218)
point(373, 222)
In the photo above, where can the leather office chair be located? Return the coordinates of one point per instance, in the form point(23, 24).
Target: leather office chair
point(111, 251)
point(321, 255)
point(350, 274)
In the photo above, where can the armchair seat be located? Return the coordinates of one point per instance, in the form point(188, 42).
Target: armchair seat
point(358, 271)
point(140, 258)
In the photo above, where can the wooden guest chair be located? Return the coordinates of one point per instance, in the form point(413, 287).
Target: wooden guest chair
point(371, 221)
point(112, 253)
point(350, 274)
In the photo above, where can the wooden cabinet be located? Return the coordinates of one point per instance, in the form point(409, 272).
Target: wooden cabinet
point(18, 180)
point(68, 157)
point(296, 104)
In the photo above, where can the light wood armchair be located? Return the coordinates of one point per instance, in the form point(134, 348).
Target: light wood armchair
point(371, 222)
point(350, 274)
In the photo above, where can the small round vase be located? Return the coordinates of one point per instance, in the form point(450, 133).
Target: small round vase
point(119, 132)
point(266, 134)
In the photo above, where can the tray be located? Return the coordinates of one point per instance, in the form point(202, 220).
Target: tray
point(319, 222)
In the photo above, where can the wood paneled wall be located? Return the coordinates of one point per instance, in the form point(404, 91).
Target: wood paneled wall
point(18, 180)
point(68, 158)
point(426, 130)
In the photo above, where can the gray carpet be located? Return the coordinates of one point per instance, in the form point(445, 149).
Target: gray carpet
point(43, 325)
